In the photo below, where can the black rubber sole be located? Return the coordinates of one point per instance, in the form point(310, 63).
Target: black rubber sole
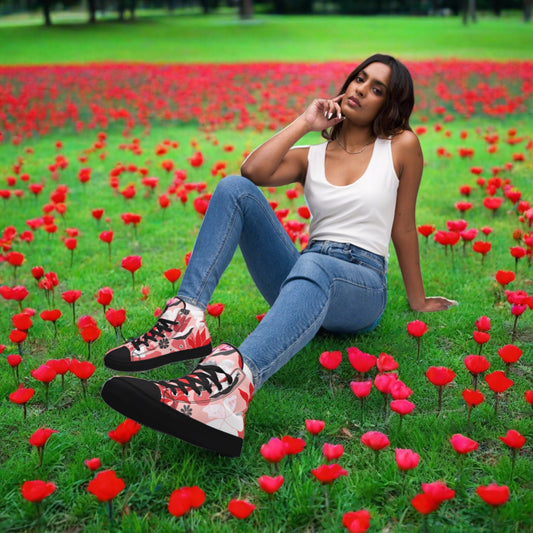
point(149, 364)
point(128, 398)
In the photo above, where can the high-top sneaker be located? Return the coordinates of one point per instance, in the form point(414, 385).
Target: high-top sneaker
point(176, 336)
point(205, 408)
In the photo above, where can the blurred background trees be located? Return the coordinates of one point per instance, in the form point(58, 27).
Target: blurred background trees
point(125, 9)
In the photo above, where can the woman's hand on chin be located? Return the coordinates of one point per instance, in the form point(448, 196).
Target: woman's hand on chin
point(434, 303)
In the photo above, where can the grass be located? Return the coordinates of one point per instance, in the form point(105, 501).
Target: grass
point(223, 38)
point(153, 465)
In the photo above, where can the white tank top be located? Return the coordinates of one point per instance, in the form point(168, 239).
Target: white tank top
point(360, 213)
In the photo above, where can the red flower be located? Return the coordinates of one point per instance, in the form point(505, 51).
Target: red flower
point(406, 459)
point(476, 364)
point(417, 328)
point(362, 362)
point(498, 382)
point(82, 369)
point(274, 450)
point(493, 494)
point(513, 439)
point(106, 485)
point(426, 229)
point(37, 272)
point(93, 464)
point(482, 247)
point(71, 296)
point(294, 444)
point(440, 375)
point(332, 451)
point(115, 317)
point(424, 503)
point(402, 407)
point(90, 333)
point(104, 296)
point(330, 360)
point(44, 374)
point(375, 440)
point(510, 353)
point(52, 315)
point(215, 309)
point(131, 263)
point(172, 274)
point(356, 521)
point(483, 323)
point(462, 444)
point(328, 473)
point(182, 500)
point(314, 426)
point(438, 491)
point(41, 436)
point(36, 491)
point(481, 337)
point(124, 431)
point(14, 360)
point(473, 397)
point(240, 508)
point(21, 395)
point(106, 236)
point(528, 396)
point(22, 321)
point(270, 484)
point(97, 213)
point(384, 382)
point(386, 363)
point(504, 277)
point(361, 389)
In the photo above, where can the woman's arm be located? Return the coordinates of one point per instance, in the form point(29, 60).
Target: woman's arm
point(274, 163)
point(408, 162)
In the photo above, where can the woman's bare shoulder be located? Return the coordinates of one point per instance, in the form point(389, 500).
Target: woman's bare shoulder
point(406, 139)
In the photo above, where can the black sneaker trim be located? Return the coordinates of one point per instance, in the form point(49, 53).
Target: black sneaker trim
point(139, 400)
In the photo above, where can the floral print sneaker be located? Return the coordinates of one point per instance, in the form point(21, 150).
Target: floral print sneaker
point(176, 336)
point(205, 408)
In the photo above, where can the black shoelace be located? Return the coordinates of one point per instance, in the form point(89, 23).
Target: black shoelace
point(202, 378)
point(158, 330)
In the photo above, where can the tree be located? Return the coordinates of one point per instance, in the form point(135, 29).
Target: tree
point(46, 12)
point(246, 9)
point(469, 10)
point(527, 10)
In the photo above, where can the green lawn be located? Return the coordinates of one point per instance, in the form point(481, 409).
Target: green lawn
point(223, 38)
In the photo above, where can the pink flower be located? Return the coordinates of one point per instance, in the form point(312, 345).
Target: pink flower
point(270, 484)
point(274, 450)
point(406, 459)
point(314, 426)
point(375, 440)
point(330, 360)
point(462, 444)
point(332, 451)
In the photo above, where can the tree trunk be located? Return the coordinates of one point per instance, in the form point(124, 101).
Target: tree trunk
point(472, 10)
point(46, 13)
point(527, 10)
point(246, 9)
point(91, 4)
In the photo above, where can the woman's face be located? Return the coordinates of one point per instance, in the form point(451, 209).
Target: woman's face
point(366, 94)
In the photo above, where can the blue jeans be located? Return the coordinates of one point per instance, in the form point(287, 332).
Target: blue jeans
point(336, 286)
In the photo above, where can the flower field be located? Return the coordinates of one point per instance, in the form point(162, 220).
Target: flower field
point(426, 423)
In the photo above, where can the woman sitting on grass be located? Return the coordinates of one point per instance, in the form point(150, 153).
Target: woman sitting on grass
point(361, 187)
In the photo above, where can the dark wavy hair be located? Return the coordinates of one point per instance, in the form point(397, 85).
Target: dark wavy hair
point(394, 116)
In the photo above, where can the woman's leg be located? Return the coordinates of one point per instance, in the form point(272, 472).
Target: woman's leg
point(320, 291)
point(238, 214)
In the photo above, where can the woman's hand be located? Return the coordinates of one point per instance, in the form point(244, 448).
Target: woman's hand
point(434, 303)
point(323, 113)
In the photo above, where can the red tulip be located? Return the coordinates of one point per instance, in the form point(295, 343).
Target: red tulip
point(274, 450)
point(215, 310)
point(44, 373)
point(483, 323)
point(115, 317)
point(37, 272)
point(473, 397)
point(327, 474)
point(483, 248)
point(294, 445)
point(172, 275)
point(332, 451)
point(22, 321)
point(476, 364)
point(97, 213)
point(406, 459)
point(106, 485)
point(375, 440)
point(362, 362)
point(440, 375)
point(124, 432)
point(356, 521)
point(386, 363)
point(93, 464)
point(71, 297)
point(240, 508)
point(426, 230)
point(40, 437)
point(402, 407)
point(314, 426)
point(424, 503)
point(493, 494)
point(330, 360)
point(438, 491)
point(498, 382)
point(132, 263)
point(510, 353)
point(504, 277)
point(417, 328)
point(36, 490)
point(104, 296)
point(528, 396)
point(385, 382)
point(182, 500)
point(513, 439)
point(270, 484)
point(481, 337)
point(462, 444)
point(361, 389)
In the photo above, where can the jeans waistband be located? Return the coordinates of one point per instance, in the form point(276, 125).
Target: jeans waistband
point(348, 252)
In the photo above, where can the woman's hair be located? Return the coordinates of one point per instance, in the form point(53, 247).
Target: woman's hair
point(393, 117)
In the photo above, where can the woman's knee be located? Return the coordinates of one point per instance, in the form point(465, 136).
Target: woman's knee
point(234, 184)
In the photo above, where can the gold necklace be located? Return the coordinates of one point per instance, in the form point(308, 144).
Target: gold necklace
point(358, 151)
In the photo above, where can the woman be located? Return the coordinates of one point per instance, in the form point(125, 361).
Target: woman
point(361, 187)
